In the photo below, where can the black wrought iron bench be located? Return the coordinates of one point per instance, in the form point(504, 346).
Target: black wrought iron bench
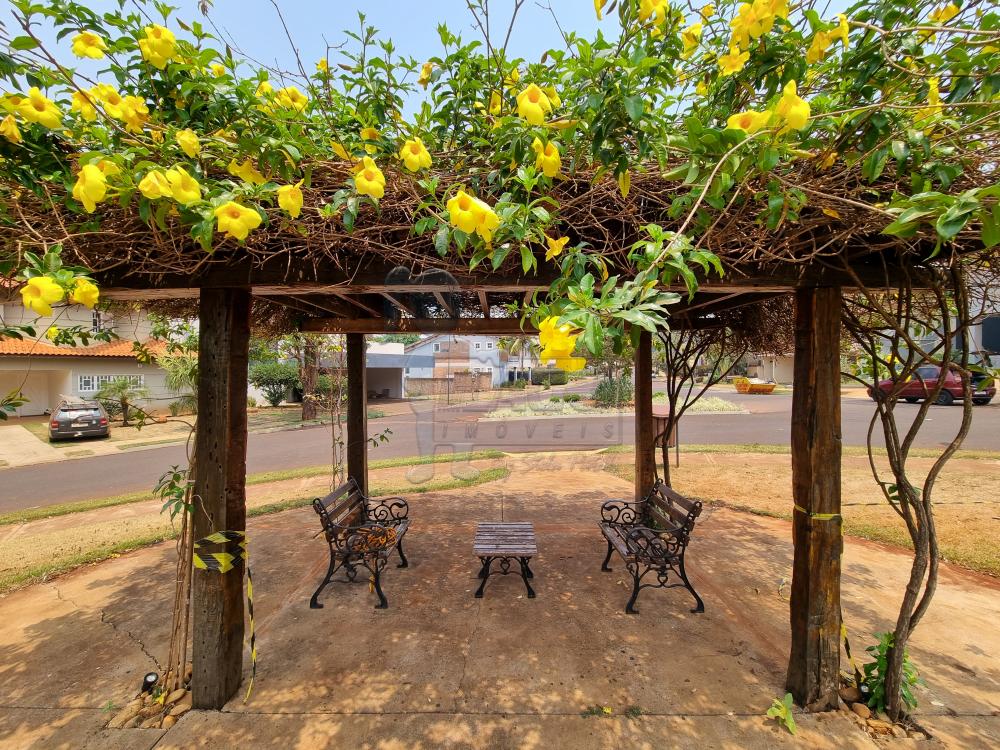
point(361, 532)
point(651, 536)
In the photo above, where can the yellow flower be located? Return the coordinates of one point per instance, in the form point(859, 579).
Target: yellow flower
point(88, 44)
point(533, 105)
point(158, 47)
point(933, 101)
point(109, 168)
point(370, 134)
point(512, 78)
point(547, 158)
point(495, 103)
point(842, 31)
point(749, 121)
point(818, 48)
point(246, 172)
point(792, 109)
point(940, 16)
point(415, 155)
point(235, 220)
point(290, 199)
point(733, 62)
point(109, 98)
point(264, 90)
point(217, 69)
point(701, 88)
point(655, 10)
point(91, 187)
point(183, 187)
point(472, 215)
point(11, 103)
point(155, 185)
point(751, 22)
point(36, 107)
point(599, 8)
point(291, 98)
point(156, 135)
point(85, 293)
point(425, 74)
point(553, 95)
point(558, 344)
point(555, 246)
point(40, 293)
point(368, 179)
point(134, 113)
point(707, 11)
point(187, 139)
point(8, 129)
point(322, 66)
point(52, 333)
point(691, 37)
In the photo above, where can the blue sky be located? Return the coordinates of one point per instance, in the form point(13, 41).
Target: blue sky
point(411, 25)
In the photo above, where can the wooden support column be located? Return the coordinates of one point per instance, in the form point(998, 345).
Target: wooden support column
point(814, 662)
point(220, 491)
point(357, 411)
point(645, 434)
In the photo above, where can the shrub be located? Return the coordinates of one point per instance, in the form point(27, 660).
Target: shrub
point(274, 379)
point(571, 398)
point(555, 399)
point(251, 402)
point(614, 392)
point(552, 375)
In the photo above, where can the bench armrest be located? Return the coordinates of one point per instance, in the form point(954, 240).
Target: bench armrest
point(388, 510)
point(623, 512)
point(656, 544)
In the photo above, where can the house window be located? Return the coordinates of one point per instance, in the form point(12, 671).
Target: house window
point(489, 344)
point(406, 371)
point(478, 346)
point(94, 383)
point(97, 322)
point(437, 347)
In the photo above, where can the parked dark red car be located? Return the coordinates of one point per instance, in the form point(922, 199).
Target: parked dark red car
point(925, 382)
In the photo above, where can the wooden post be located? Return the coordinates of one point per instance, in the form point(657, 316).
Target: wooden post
point(645, 431)
point(220, 491)
point(357, 411)
point(814, 662)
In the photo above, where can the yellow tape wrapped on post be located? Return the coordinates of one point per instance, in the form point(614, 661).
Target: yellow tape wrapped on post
point(233, 552)
point(818, 516)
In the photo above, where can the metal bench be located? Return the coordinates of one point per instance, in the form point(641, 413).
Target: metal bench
point(361, 531)
point(651, 536)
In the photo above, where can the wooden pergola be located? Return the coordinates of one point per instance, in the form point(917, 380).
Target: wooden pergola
point(369, 299)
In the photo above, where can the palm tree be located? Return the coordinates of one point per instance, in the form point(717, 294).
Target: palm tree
point(518, 346)
point(182, 378)
point(124, 393)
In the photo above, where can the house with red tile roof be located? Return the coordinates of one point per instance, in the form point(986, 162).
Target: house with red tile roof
point(44, 373)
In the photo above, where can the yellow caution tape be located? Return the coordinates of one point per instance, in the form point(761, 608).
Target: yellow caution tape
point(818, 516)
point(233, 553)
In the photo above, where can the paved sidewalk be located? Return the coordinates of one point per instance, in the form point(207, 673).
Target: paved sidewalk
point(440, 669)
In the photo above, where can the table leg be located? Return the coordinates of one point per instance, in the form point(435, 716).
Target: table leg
point(484, 573)
point(526, 574)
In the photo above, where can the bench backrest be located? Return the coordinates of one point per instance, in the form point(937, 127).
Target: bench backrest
point(345, 506)
point(667, 509)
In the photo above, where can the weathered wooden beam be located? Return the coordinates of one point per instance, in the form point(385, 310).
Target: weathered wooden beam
point(724, 304)
point(220, 486)
point(491, 326)
point(398, 301)
point(484, 303)
point(445, 304)
point(357, 411)
point(327, 305)
point(359, 303)
point(645, 432)
point(814, 662)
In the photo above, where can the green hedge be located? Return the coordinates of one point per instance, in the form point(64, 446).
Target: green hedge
point(553, 375)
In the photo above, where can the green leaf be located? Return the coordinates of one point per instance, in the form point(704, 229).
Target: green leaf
point(23, 43)
point(441, 241)
point(634, 105)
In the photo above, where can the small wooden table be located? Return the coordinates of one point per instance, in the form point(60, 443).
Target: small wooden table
point(505, 542)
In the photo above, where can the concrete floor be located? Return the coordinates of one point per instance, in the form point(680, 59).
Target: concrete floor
point(442, 669)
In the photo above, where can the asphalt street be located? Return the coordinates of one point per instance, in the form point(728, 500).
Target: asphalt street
point(433, 428)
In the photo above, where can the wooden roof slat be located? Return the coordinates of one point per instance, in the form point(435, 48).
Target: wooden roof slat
point(484, 303)
point(485, 326)
point(446, 305)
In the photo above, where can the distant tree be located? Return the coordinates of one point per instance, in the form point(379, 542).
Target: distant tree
point(398, 338)
point(274, 379)
point(123, 393)
point(181, 370)
point(518, 346)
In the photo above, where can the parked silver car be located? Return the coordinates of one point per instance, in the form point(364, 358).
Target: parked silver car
point(77, 419)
